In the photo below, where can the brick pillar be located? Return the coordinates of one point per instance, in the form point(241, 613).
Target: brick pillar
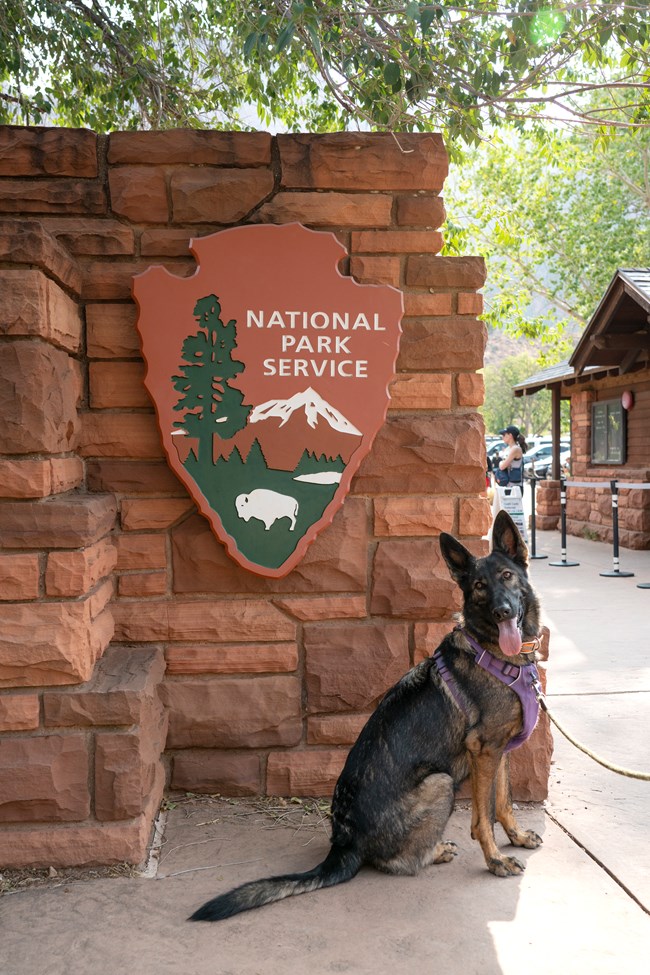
point(56, 584)
point(548, 508)
point(57, 554)
point(581, 432)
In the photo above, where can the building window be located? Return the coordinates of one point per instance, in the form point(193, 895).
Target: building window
point(608, 432)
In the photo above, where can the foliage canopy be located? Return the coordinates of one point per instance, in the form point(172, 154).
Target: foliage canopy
point(532, 414)
point(459, 66)
point(554, 219)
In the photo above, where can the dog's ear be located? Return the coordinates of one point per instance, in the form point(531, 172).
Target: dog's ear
point(458, 558)
point(507, 539)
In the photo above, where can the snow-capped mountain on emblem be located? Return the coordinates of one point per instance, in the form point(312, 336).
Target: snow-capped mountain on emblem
point(313, 405)
point(245, 361)
point(286, 429)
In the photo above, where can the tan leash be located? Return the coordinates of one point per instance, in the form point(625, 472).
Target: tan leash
point(630, 773)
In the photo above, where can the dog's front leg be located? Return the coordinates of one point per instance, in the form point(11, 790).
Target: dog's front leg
point(505, 813)
point(484, 764)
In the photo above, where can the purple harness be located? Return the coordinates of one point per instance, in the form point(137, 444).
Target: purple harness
point(523, 680)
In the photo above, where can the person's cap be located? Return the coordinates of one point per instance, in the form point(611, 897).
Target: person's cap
point(513, 430)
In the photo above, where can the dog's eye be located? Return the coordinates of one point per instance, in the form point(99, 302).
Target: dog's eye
point(507, 574)
point(479, 585)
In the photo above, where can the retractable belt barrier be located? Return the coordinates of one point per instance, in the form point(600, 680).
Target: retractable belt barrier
point(564, 561)
point(533, 526)
point(631, 486)
point(615, 486)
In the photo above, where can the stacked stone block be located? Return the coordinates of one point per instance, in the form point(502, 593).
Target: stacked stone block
point(67, 795)
point(267, 681)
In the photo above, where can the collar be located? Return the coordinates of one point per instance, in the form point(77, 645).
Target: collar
point(523, 679)
point(530, 646)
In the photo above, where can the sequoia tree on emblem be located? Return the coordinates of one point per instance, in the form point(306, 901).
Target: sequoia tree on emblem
point(269, 372)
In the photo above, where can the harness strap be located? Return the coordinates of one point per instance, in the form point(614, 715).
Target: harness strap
point(522, 679)
point(449, 680)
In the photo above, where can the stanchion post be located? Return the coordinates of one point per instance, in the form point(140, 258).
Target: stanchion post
point(564, 562)
point(533, 551)
point(615, 571)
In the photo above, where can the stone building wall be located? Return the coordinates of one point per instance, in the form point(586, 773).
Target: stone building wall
point(127, 632)
point(589, 509)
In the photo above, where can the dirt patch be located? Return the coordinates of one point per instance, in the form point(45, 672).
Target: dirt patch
point(195, 823)
point(15, 881)
point(189, 810)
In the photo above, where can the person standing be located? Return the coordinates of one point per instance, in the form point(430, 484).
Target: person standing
point(508, 473)
point(513, 462)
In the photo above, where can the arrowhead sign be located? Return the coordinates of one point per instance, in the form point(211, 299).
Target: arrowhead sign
point(269, 371)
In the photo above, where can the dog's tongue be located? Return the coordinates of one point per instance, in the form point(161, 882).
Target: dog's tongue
point(509, 637)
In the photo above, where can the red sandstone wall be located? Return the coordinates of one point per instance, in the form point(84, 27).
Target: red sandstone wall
point(108, 575)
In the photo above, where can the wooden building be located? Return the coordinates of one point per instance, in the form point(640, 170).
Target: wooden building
point(607, 380)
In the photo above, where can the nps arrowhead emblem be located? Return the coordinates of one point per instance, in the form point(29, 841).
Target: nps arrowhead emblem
point(269, 372)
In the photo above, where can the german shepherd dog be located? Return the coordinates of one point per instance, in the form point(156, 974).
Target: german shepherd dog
point(396, 792)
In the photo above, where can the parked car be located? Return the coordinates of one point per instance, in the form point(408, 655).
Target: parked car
point(541, 466)
point(544, 468)
point(542, 453)
point(495, 447)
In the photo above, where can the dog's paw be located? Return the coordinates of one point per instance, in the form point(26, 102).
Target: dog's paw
point(445, 851)
point(505, 866)
point(524, 837)
point(532, 840)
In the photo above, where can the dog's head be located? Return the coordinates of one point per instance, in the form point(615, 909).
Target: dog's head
point(499, 603)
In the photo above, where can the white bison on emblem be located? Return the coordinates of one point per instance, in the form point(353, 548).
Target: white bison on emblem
point(267, 506)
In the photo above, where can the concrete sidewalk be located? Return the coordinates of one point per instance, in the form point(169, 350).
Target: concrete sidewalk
point(599, 688)
point(577, 908)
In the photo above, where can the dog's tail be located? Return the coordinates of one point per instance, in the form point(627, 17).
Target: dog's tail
point(340, 864)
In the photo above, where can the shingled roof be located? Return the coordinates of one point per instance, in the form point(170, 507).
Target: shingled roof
point(618, 333)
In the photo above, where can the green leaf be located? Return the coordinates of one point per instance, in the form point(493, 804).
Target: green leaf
point(427, 16)
point(392, 73)
point(314, 38)
point(250, 44)
point(285, 37)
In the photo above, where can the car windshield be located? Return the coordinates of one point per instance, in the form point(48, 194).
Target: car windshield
point(544, 450)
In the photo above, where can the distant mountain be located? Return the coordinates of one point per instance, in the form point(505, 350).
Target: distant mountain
point(501, 346)
point(314, 407)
